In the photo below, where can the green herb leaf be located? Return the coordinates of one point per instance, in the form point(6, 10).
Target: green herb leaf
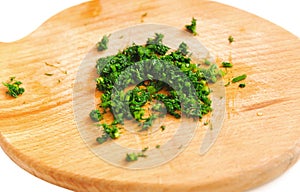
point(230, 39)
point(227, 64)
point(242, 85)
point(95, 115)
point(239, 78)
point(131, 157)
point(14, 88)
point(192, 27)
point(102, 45)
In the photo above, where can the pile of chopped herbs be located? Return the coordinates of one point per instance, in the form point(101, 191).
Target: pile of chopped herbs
point(14, 88)
point(157, 57)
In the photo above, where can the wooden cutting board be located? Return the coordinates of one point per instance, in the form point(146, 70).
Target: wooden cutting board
point(260, 136)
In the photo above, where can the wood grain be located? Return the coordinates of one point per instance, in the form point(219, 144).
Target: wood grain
point(39, 133)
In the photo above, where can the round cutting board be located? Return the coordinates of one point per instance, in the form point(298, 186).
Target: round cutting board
point(259, 138)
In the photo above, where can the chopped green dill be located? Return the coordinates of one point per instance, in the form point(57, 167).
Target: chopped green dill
point(239, 78)
point(153, 55)
point(226, 64)
point(162, 127)
point(230, 39)
point(131, 157)
point(14, 88)
point(148, 122)
point(95, 115)
point(192, 27)
point(102, 139)
point(183, 49)
point(157, 146)
point(102, 44)
point(207, 62)
point(134, 156)
point(227, 84)
point(48, 74)
point(111, 130)
point(242, 85)
point(145, 149)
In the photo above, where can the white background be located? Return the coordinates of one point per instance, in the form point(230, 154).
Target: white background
point(18, 18)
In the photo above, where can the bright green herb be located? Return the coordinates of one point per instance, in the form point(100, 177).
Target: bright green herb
point(183, 49)
point(230, 39)
point(239, 78)
point(227, 84)
point(102, 139)
point(134, 156)
point(95, 115)
point(111, 130)
point(102, 45)
point(153, 55)
point(14, 88)
point(145, 149)
point(242, 85)
point(131, 157)
point(192, 27)
point(226, 64)
point(148, 122)
point(207, 62)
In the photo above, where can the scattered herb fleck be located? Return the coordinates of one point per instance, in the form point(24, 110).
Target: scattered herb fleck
point(157, 146)
point(134, 156)
point(102, 45)
point(230, 39)
point(242, 85)
point(95, 115)
point(226, 64)
point(239, 78)
point(207, 62)
point(131, 157)
point(183, 49)
point(102, 139)
point(162, 127)
point(145, 149)
point(192, 27)
point(14, 88)
point(227, 84)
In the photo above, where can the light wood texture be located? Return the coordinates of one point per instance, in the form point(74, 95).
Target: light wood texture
point(39, 133)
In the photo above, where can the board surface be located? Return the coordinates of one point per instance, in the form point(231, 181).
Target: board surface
point(39, 133)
